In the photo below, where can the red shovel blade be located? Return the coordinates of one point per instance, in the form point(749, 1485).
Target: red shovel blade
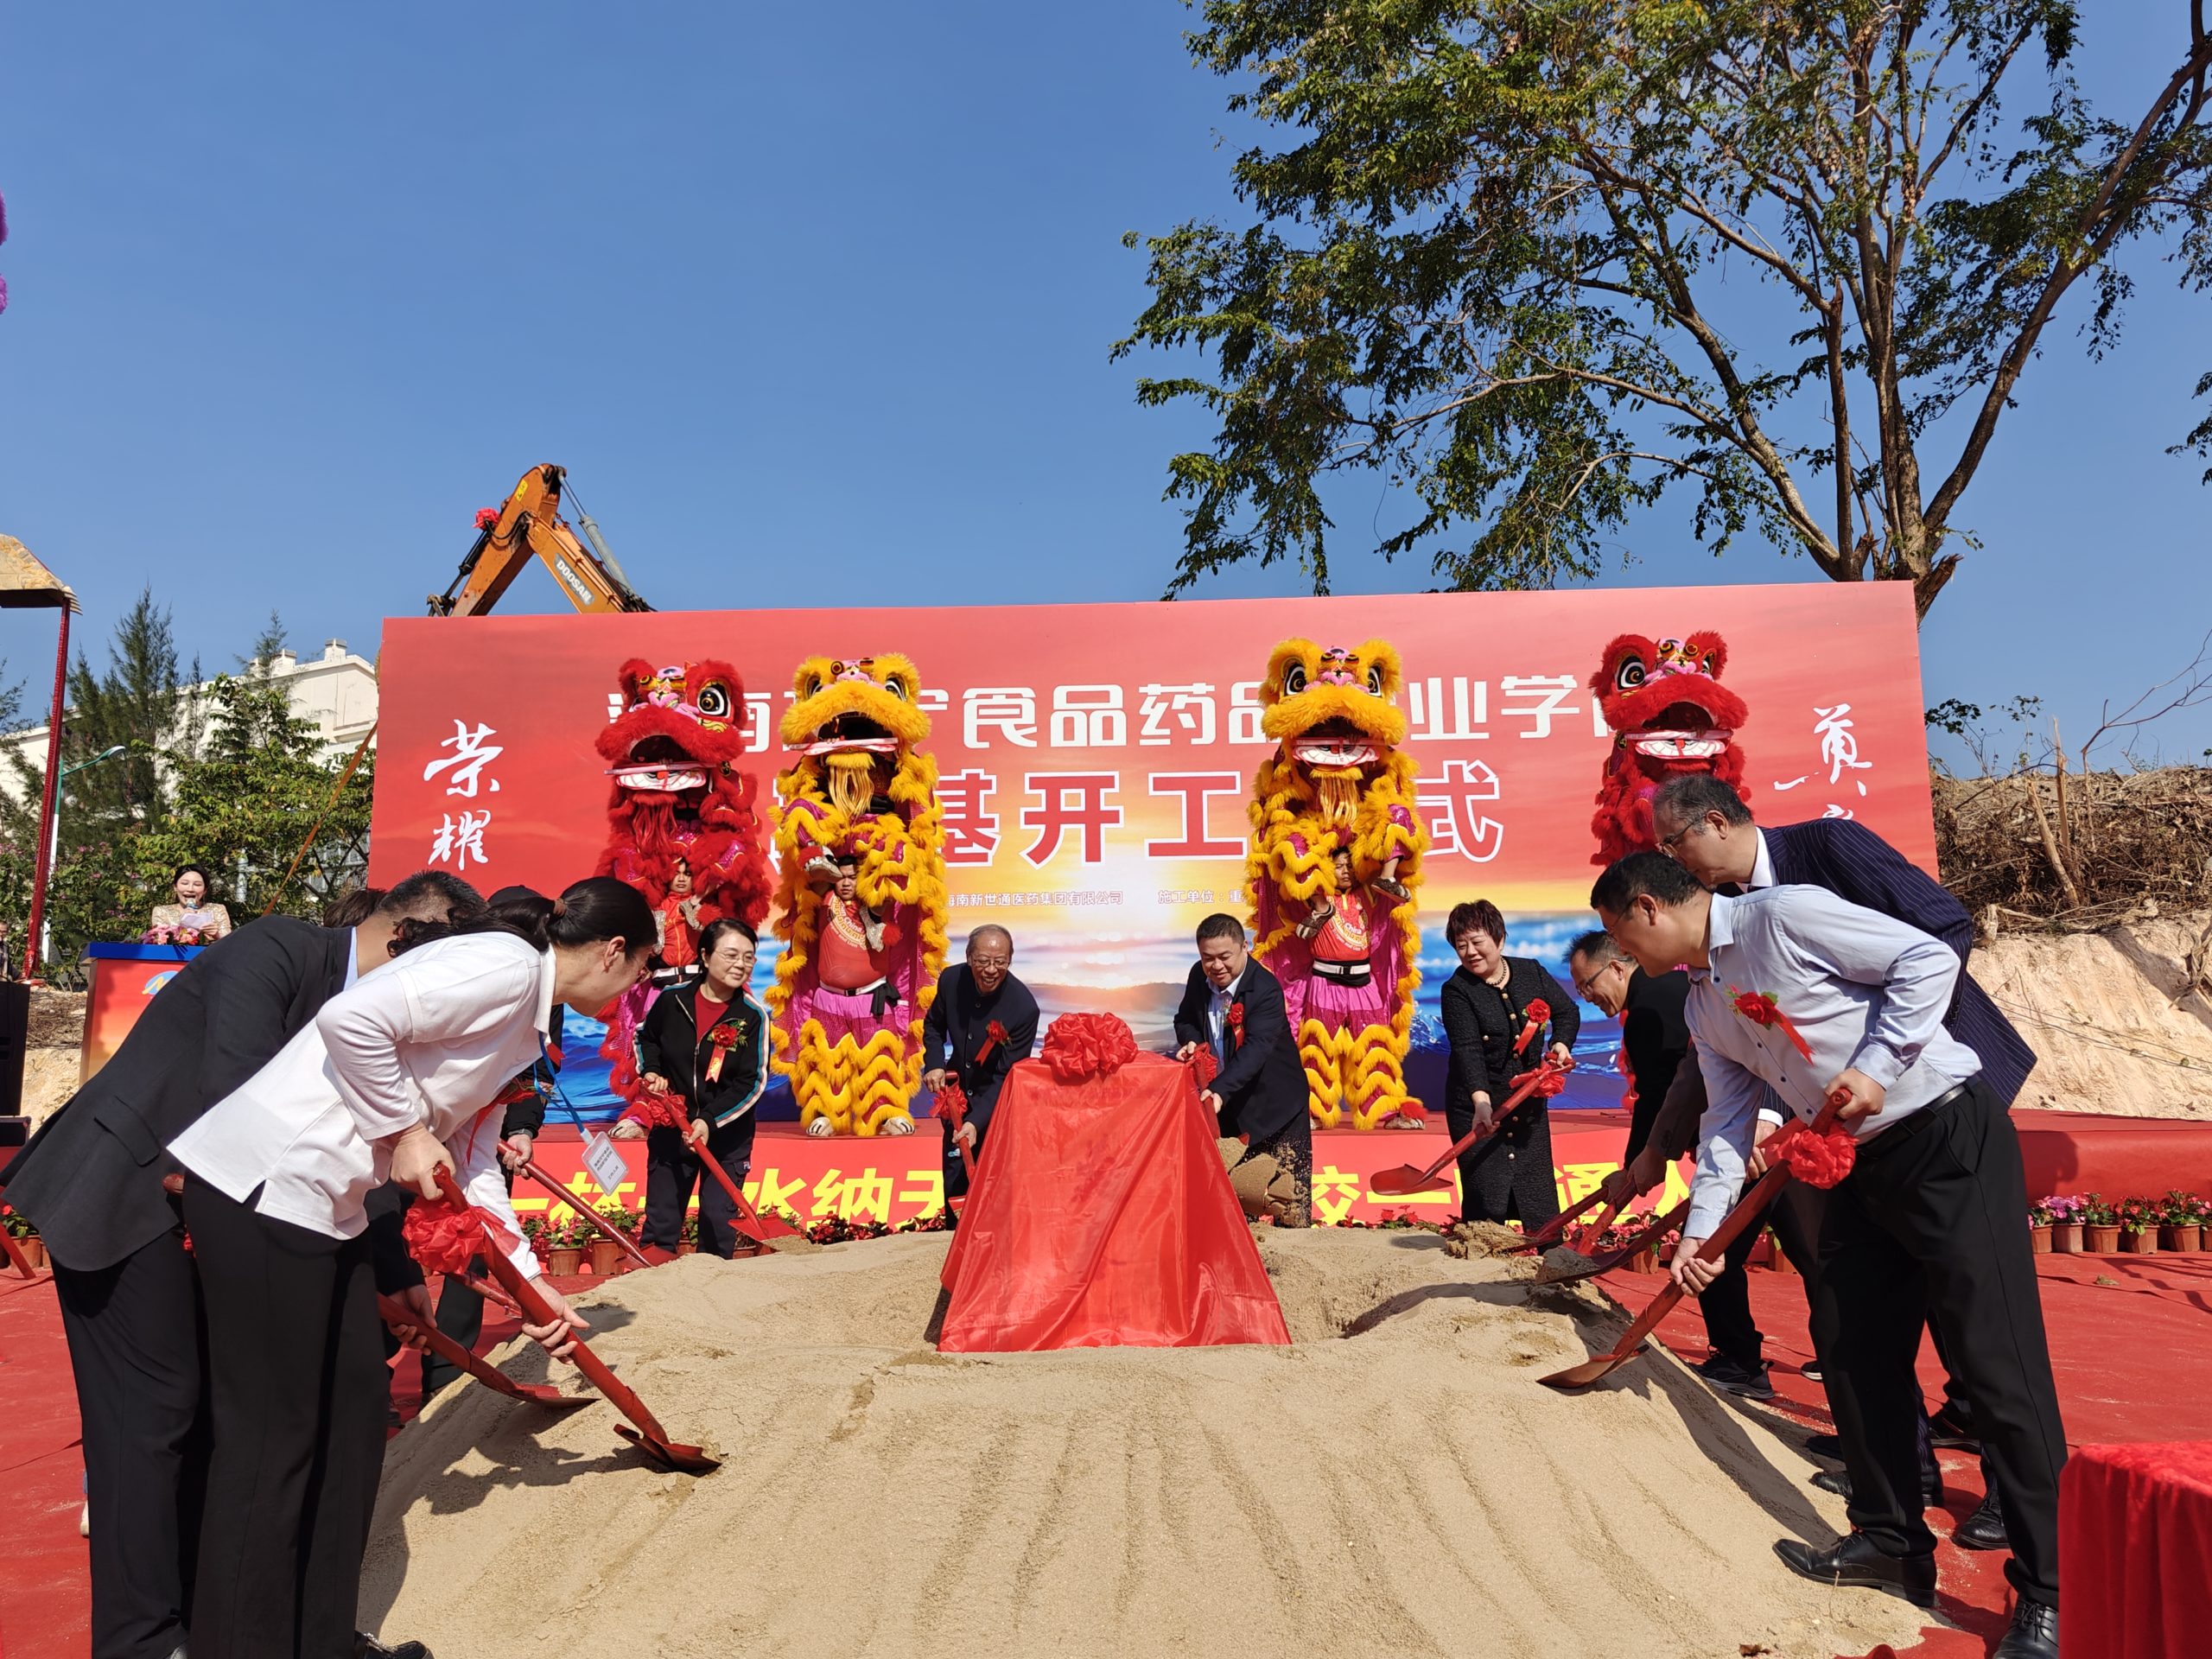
point(1555, 1230)
point(1404, 1179)
point(1582, 1376)
point(1657, 1229)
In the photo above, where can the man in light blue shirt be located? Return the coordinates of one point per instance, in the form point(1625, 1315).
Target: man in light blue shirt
point(1936, 1193)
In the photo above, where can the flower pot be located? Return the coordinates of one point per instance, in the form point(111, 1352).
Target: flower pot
point(2066, 1237)
point(687, 1247)
point(2189, 1239)
point(1644, 1260)
point(606, 1256)
point(2144, 1241)
point(2102, 1241)
point(562, 1261)
point(2039, 1240)
point(33, 1249)
point(1778, 1261)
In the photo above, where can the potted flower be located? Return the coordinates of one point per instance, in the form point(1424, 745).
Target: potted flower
point(2039, 1227)
point(2065, 1215)
point(2100, 1225)
point(2181, 1222)
point(563, 1254)
point(605, 1256)
point(20, 1229)
point(533, 1234)
point(2138, 1226)
point(688, 1243)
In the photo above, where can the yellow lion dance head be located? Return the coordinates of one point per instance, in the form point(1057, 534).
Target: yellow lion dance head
point(1334, 715)
point(854, 727)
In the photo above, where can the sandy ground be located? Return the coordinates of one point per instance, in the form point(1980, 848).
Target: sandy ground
point(1394, 1483)
point(2115, 1024)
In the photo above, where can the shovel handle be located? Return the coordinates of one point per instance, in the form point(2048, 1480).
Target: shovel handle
point(1747, 1211)
point(1555, 1230)
point(539, 1311)
point(1512, 1103)
point(458, 1357)
point(748, 1218)
point(16, 1259)
point(574, 1202)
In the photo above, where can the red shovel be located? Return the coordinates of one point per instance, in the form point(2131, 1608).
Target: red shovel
point(750, 1222)
point(1404, 1179)
point(647, 1434)
point(574, 1201)
point(489, 1375)
point(1657, 1228)
point(1555, 1230)
point(1747, 1211)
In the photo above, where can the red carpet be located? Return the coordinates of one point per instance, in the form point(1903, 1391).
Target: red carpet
point(2130, 1356)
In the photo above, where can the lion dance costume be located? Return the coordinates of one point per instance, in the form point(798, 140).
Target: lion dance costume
point(1669, 715)
point(859, 791)
point(679, 802)
point(1346, 952)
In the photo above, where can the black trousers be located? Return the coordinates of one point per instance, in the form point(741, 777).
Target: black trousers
point(672, 1169)
point(137, 1349)
point(1929, 1221)
point(1508, 1177)
point(298, 1387)
point(1794, 1215)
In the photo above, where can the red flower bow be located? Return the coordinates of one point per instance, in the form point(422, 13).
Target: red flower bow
point(721, 1039)
point(1084, 1045)
point(1548, 1078)
point(443, 1236)
point(994, 1038)
point(487, 517)
point(656, 1109)
point(1819, 1160)
point(1203, 1067)
point(1761, 1009)
point(951, 1102)
point(1533, 1018)
point(1235, 1025)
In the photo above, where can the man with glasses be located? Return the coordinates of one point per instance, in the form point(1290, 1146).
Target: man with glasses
point(982, 1021)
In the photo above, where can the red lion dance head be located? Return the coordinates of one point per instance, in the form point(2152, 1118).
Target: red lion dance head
point(679, 794)
point(1669, 714)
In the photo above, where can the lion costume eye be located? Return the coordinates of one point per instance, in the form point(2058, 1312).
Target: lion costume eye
point(713, 700)
point(1294, 679)
point(1629, 674)
point(897, 688)
point(809, 684)
point(1375, 681)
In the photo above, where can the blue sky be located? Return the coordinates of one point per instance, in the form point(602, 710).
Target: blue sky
point(814, 302)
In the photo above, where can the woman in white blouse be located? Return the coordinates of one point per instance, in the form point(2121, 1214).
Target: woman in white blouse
point(394, 1078)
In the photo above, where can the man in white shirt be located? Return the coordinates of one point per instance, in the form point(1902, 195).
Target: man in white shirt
point(1798, 998)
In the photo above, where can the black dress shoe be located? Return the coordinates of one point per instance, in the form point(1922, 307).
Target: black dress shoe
point(1984, 1529)
point(1931, 1486)
point(367, 1647)
point(2033, 1634)
point(1855, 1561)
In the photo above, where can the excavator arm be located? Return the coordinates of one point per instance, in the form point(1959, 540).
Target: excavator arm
point(529, 526)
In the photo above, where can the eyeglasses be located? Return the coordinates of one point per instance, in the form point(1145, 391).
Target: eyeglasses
point(1582, 985)
point(990, 962)
point(1669, 843)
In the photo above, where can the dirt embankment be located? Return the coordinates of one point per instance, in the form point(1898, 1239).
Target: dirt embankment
point(51, 1050)
point(2112, 1017)
point(1395, 1481)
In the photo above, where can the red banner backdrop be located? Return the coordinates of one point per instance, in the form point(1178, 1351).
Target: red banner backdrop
point(1096, 758)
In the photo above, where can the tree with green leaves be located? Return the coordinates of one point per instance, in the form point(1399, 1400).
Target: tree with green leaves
point(1541, 263)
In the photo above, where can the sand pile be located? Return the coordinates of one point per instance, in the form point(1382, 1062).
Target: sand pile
point(1394, 1482)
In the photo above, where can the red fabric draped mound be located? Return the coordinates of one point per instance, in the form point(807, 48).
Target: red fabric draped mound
point(1101, 1217)
point(2135, 1551)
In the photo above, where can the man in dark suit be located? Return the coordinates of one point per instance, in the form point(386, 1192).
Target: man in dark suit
point(1234, 1006)
point(93, 1180)
point(1706, 827)
point(960, 1046)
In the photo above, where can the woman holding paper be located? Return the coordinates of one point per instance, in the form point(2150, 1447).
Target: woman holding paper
point(395, 1078)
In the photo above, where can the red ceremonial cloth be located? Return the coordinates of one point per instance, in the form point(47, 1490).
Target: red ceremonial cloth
point(1100, 1217)
point(2135, 1551)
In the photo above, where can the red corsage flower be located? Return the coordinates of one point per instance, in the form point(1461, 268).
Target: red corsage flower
point(1761, 1009)
point(952, 1104)
point(994, 1038)
point(721, 1039)
point(444, 1237)
point(1819, 1160)
point(1236, 1025)
point(1080, 1046)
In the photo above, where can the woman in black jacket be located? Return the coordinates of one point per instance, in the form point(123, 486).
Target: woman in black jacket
point(1484, 1006)
point(707, 1044)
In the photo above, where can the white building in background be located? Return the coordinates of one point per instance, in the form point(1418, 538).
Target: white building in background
point(337, 692)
